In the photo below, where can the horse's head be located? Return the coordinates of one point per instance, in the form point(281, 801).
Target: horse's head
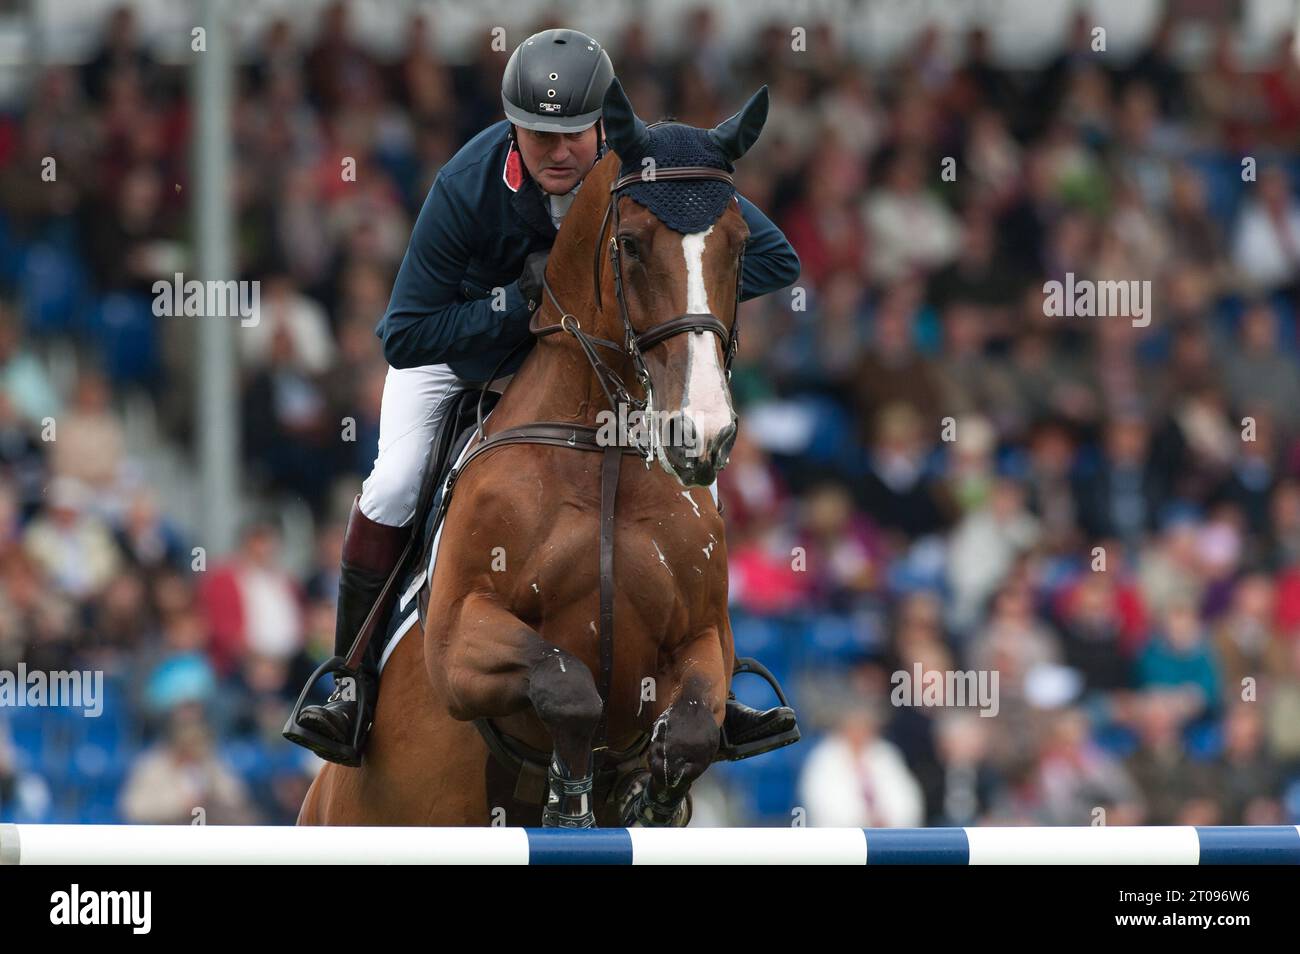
point(675, 243)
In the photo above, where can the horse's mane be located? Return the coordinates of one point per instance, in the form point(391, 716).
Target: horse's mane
point(577, 232)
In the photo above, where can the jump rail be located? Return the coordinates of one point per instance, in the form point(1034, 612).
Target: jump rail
point(180, 844)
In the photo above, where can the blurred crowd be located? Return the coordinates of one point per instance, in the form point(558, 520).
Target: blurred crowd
point(930, 471)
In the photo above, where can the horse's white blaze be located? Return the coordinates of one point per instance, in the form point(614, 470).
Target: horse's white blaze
point(706, 399)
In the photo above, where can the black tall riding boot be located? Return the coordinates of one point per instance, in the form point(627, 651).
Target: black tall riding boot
point(370, 553)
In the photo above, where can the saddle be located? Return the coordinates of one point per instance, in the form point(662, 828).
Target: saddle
point(459, 425)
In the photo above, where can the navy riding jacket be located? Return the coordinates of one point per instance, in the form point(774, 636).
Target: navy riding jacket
point(473, 235)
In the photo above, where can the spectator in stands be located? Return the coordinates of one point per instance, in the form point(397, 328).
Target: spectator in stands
point(1260, 371)
point(183, 778)
point(1196, 235)
point(148, 539)
point(1164, 772)
point(1181, 659)
point(1121, 494)
point(1018, 647)
point(1092, 634)
point(251, 602)
point(72, 546)
point(87, 444)
point(897, 492)
point(1049, 493)
point(122, 51)
point(985, 545)
point(1077, 777)
point(291, 437)
point(910, 229)
point(24, 795)
point(1247, 778)
point(1282, 708)
point(969, 780)
point(854, 778)
point(22, 459)
point(1266, 244)
point(892, 368)
point(24, 382)
point(1247, 490)
point(282, 308)
point(844, 552)
point(974, 382)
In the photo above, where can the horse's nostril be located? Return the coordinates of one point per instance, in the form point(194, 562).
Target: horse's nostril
point(722, 446)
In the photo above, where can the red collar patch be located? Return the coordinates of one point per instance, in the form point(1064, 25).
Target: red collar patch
point(513, 173)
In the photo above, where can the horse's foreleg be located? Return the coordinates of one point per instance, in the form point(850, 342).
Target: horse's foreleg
point(684, 738)
point(496, 666)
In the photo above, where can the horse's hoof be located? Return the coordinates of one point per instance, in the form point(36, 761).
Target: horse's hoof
point(637, 810)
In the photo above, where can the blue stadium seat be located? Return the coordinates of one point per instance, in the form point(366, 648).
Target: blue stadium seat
point(126, 330)
point(829, 639)
point(27, 730)
point(1120, 741)
point(1204, 740)
point(11, 253)
point(249, 759)
point(1222, 177)
point(52, 287)
point(755, 635)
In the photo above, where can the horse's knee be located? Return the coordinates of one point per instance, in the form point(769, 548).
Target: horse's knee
point(563, 693)
point(683, 743)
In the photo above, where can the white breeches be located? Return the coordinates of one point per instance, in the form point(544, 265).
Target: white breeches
point(415, 402)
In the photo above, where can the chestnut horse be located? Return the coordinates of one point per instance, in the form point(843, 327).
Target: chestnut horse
point(517, 605)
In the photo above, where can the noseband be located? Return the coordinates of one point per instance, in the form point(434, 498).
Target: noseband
point(636, 343)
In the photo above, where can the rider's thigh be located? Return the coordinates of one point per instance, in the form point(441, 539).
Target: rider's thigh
point(415, 401)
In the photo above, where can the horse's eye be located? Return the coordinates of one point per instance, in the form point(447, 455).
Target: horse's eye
point(628, 246)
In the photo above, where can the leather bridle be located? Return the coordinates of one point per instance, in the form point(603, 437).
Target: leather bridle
point(635, 343)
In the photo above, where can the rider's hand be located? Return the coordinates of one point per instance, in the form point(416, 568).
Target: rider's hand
point(530, 280)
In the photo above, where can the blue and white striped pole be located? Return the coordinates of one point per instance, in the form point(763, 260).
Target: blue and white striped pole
point(162, 844)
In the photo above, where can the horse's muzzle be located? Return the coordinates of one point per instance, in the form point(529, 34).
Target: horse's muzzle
point(696, 468)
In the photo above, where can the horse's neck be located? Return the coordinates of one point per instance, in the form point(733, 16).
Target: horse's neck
point(556, 382)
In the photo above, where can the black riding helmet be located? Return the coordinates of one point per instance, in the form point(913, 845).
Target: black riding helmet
point(555, 81)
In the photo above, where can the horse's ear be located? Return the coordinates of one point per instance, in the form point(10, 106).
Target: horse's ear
point(625, 133)
point(737, 134)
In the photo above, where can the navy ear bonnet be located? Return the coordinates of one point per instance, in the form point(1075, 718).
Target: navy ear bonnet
point(683, 206)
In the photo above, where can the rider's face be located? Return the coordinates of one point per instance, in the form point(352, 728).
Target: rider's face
point(557, 161)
